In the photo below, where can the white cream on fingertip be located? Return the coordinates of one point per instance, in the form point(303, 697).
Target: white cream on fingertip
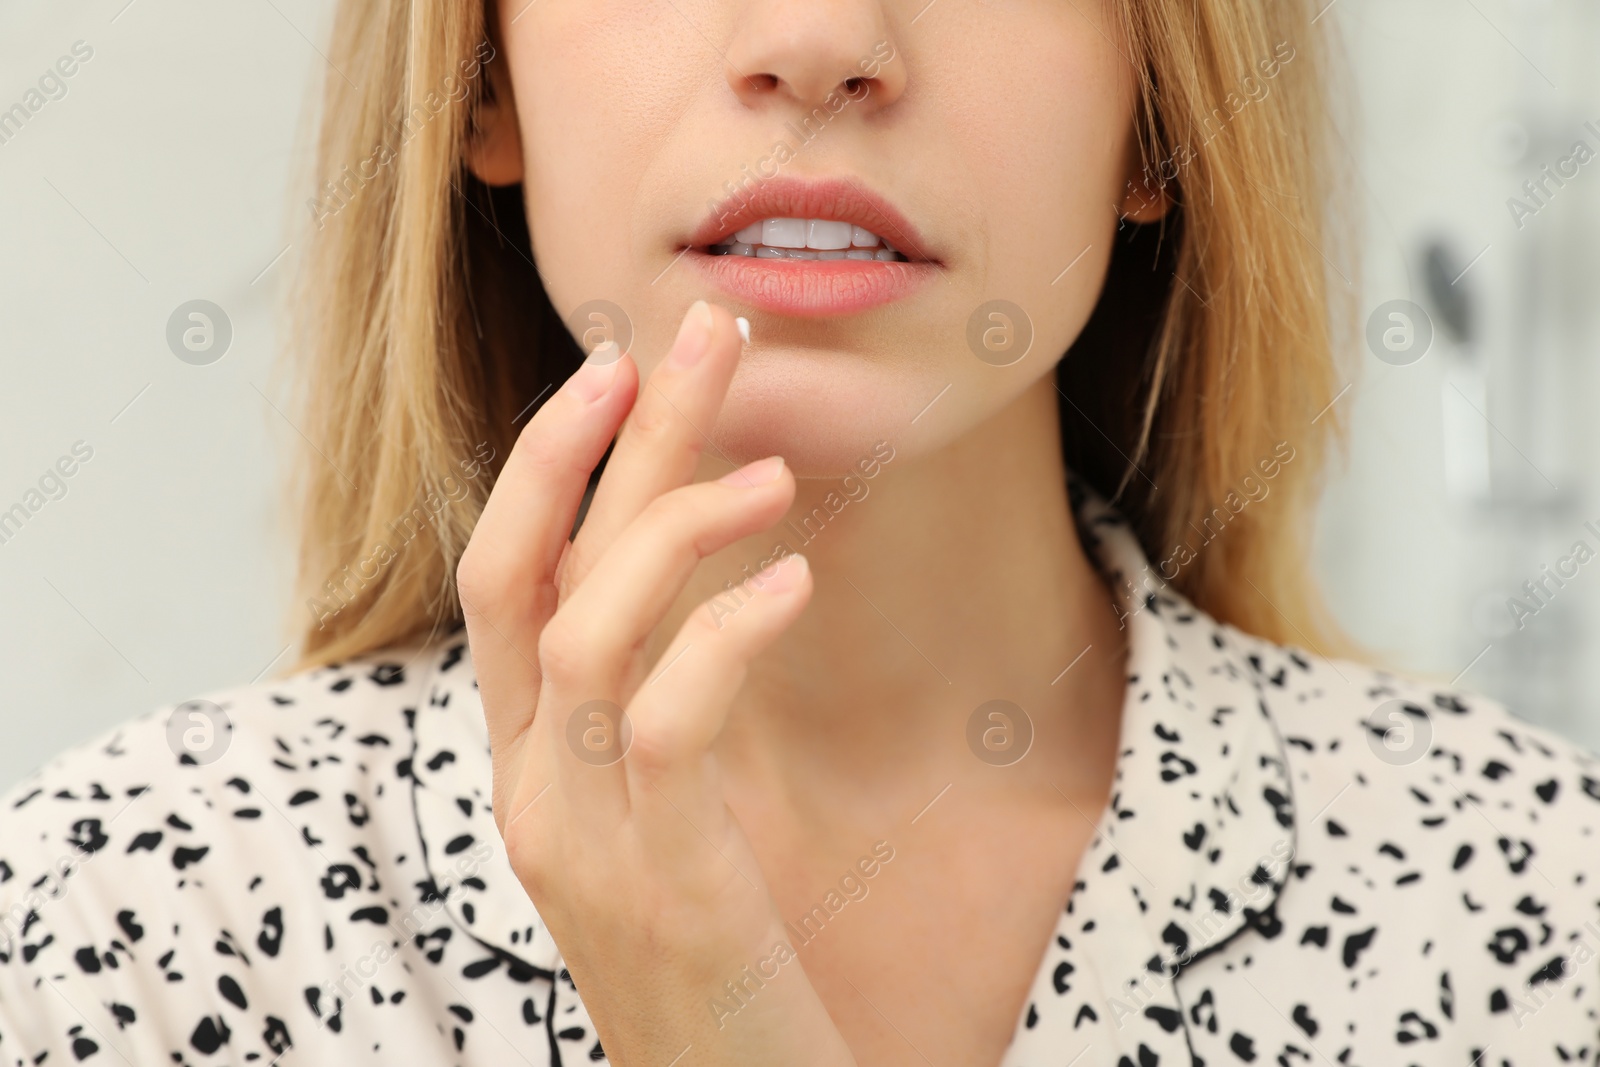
point(744, 328)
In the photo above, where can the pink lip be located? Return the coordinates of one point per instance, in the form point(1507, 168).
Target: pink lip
point(813, 287)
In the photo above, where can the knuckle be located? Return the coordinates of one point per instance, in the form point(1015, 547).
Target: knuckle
point(534, 842)
point(671, 513)
point(651, 751)
point(528, 856)
point(652, 419)
point(575, 563)
point(714, 616)
point(562, 653)
point(541, 451)
point(473, 581)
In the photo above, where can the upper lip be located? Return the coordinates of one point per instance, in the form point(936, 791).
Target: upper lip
point(835, 199)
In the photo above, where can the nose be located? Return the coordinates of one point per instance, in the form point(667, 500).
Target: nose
point(807, 51)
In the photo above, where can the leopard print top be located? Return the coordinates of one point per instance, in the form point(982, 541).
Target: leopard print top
point(1303, 861)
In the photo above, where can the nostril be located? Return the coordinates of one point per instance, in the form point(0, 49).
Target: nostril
point(853, 86)
point(762, 82)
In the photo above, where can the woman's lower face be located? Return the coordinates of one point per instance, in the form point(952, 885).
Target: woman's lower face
point(914, 205)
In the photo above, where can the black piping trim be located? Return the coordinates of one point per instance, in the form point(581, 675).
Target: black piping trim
point(1250, 921)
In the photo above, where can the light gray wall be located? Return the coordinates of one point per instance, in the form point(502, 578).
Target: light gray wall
point(161, 177)
point(1461, 104)
point(158, 178)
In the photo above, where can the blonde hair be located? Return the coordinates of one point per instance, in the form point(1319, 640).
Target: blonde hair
point(1209, 352)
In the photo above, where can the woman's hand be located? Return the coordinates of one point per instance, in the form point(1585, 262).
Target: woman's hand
point(616, 824)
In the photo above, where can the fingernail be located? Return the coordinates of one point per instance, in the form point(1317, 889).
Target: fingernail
point(593, 380)
point(750, 475)
point(694, 336)
point(787, 573)
point(744, 328)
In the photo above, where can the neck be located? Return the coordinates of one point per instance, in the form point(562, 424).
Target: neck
point(942, 582)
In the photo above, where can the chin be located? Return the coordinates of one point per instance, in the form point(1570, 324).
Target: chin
point(826, 411)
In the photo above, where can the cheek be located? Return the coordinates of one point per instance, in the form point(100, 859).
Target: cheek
point(599, 87)
point(1046, 151)
point(1049, 149)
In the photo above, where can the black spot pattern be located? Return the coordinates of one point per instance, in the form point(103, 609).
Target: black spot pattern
point(1264, 888)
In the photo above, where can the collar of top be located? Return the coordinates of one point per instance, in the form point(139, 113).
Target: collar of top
point(1202, 806)
point(1197, 840)
point(1190, 853)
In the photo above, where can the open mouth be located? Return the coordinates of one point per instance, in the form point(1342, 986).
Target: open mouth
point(800, 247)
point(783, 238)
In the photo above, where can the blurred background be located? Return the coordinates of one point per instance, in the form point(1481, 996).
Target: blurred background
point(157, 173)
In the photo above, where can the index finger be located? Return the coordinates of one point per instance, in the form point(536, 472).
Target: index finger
point(506, 577)
point(659, 445)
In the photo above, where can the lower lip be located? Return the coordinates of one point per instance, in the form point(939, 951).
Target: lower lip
point(812, 288)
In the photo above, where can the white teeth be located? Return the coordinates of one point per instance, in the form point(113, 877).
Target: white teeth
point(787, 238)
point(821, 234)
point(784, 233)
